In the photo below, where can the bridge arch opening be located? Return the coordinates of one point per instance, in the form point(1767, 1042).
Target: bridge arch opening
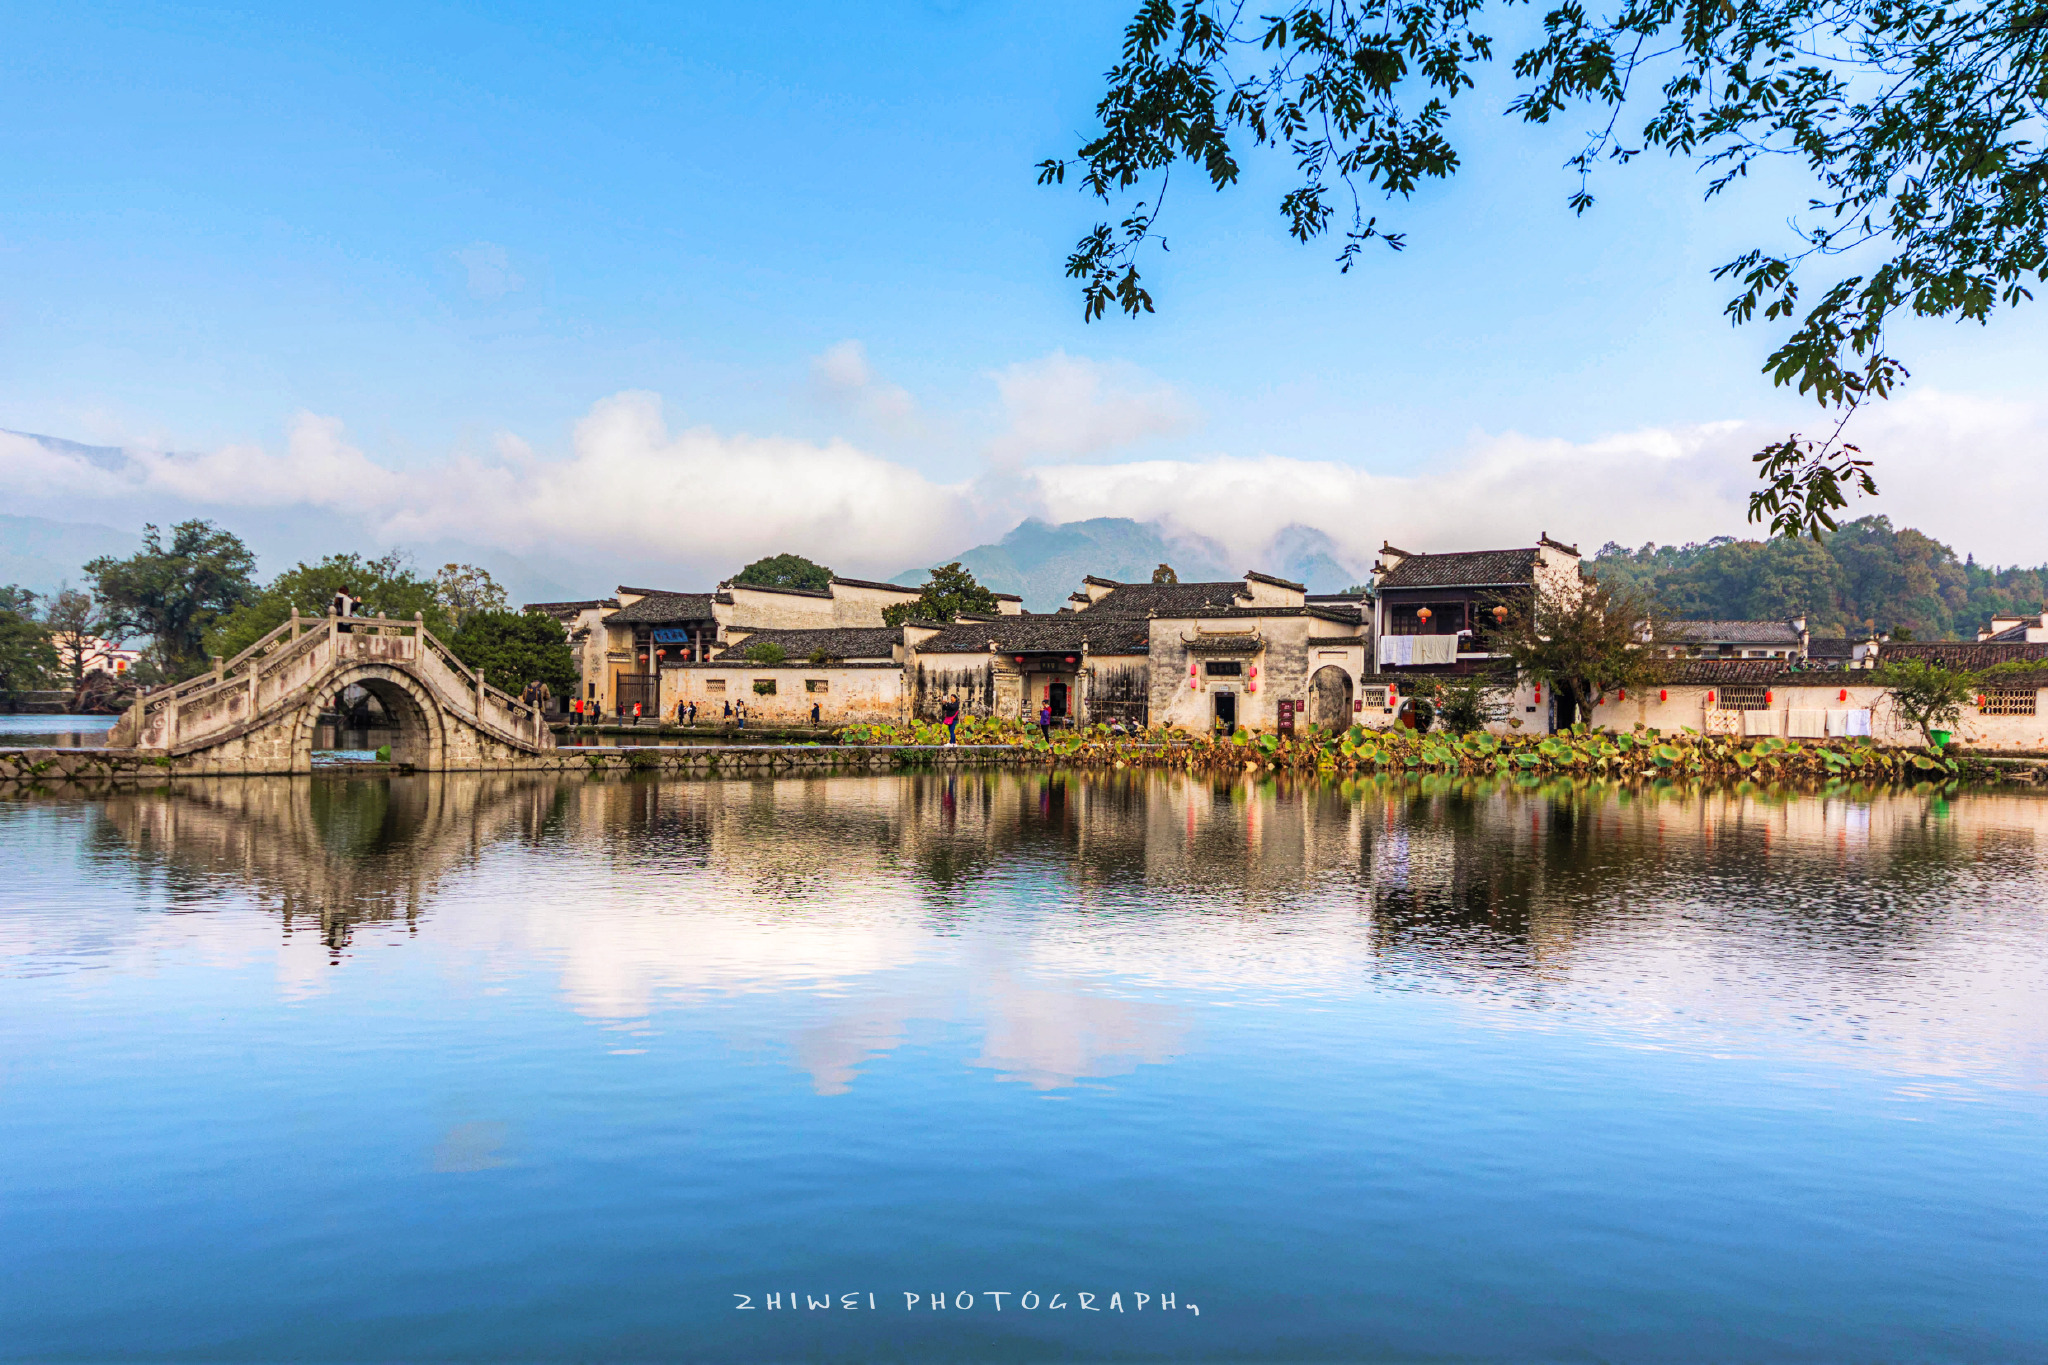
point(368, 712)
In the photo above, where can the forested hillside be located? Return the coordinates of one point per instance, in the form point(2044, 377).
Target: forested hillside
point(1866, 574)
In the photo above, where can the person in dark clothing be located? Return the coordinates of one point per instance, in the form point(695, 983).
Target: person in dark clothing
point(950, 714)
point(344, 606)
point(815, 713)
point(1045, 719)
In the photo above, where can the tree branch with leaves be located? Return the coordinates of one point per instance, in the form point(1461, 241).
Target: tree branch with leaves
point(1919, 123)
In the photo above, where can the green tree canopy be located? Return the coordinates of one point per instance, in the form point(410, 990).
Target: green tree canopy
point(1864, 576)
point(1583, 639)
point(1927, 695)
point(27, 658)
point(949, 591)
point(176, 593)
point(387, 586)
point(1918, 124)
point(785, 571)
point(72, 618)
point(463, 589)
point(516, 648)
point(1165, 574)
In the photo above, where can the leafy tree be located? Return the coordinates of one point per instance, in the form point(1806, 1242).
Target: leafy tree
point(1165, 574)
point(27, 658)
point(387, 586)
point(1462, 704)
point(464, 589)
point(1919, 124)
point(768, 652)
point(1583, 639)
point(785, 571)
point(1864, 576)
point(516, 648)
point(949, 591)
point(1926, 694)
point(74, 619)
point(176, 593)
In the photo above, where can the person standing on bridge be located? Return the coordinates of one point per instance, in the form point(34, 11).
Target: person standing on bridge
point(344, 605)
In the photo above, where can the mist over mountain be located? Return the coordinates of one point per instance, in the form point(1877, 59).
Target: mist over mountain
point(1044, 563)
point(44, 555)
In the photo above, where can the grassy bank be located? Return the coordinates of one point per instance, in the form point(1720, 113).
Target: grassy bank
point(1643, 753)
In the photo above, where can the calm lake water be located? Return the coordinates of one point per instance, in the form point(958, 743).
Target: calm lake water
point(501, 1068)
point(55, 732)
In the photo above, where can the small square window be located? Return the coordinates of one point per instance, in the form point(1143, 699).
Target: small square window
point(817, 685)
point(714, 684)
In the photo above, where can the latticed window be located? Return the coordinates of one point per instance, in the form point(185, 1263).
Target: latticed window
point(2009, 701)
point(1745, 697)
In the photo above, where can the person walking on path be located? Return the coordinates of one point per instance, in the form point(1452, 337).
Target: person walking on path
point(950, 714)
point(728, 709)
point(814, 713)
point(1045, 719)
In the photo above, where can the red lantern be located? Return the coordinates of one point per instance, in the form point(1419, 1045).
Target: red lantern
point(1767, 697)
point(1423, 615)
point(1844, 695)
point(1070, 658)
point(1980, 699)
point(1539, 694)
point(1621, 695)
point(1500, 616)
point(1255, 671)
point(1710, 698)
point(1664, 694)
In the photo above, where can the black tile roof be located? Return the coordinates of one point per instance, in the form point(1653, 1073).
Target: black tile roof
point(1258, 577)
point(1830, 647)
point(1735, 632)
point(1165, 599)
point(1962, 654)
point(1063, 632)
point(766, 587)
point(838, 642)
point(661, 608)
point(2016, 632)
point(870, 583)
point(1465, 569)
point(569, 608)
point(648, 592)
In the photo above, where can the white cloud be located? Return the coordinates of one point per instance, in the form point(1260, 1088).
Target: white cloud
point(842, 379)
point(1967, 471)
point(491, 276)
point(1073, 406)
point(628, 486)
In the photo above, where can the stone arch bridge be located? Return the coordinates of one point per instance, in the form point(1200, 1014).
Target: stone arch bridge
point(256, 713)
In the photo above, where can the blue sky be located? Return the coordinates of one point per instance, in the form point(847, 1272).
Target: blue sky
point(442, 238)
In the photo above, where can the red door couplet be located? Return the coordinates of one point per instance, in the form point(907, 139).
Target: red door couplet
point(1286, 717)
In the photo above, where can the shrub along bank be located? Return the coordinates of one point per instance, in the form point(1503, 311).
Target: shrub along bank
point(1642, 753)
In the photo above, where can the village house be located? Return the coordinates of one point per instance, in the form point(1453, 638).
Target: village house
point(1228, 654)
point(1735, 639)
point(2006, 629)
point(1781, 698)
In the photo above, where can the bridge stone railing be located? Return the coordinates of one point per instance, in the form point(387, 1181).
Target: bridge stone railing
point(273, 674)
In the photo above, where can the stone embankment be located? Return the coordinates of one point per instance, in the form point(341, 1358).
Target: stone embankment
point(43, 766)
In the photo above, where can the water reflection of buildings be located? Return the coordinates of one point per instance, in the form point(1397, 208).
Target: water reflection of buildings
point(1031, 904)
point(329, 854)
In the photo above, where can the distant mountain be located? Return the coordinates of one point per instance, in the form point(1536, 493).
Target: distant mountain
point(43, 555)
point(1044, 563)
